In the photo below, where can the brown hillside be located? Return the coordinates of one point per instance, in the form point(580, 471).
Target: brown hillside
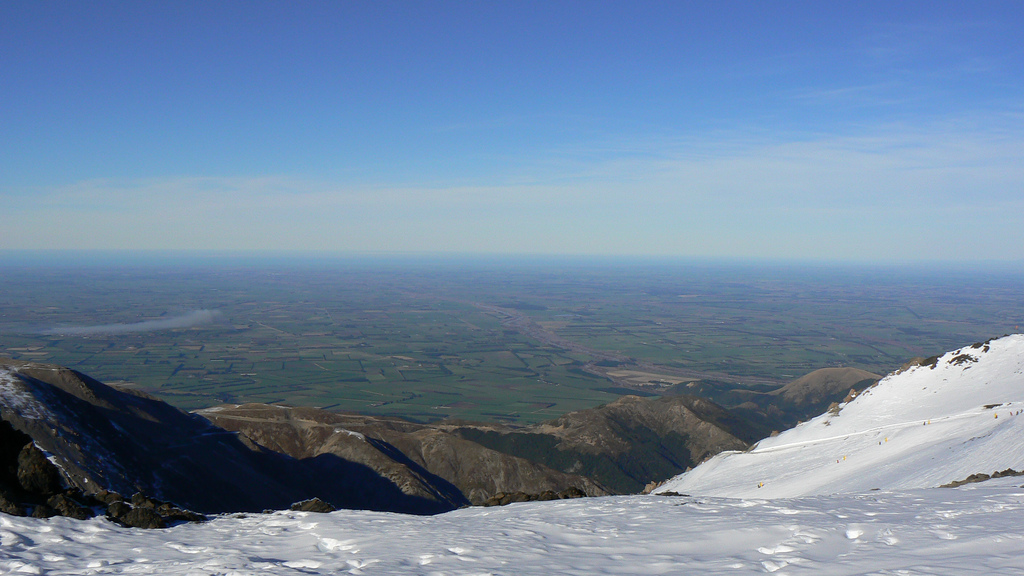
point(822, 387)
point(420, 459)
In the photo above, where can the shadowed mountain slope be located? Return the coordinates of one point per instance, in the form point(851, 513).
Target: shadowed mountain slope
point(624, 444)
point(618, 447)
point(125, 441)
point(416, 457)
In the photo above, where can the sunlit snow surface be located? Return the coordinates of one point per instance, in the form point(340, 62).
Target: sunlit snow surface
point(921, 428)
point(970, 530)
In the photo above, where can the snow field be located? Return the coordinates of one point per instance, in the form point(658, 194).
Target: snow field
point(968, 530)
point(922, 428)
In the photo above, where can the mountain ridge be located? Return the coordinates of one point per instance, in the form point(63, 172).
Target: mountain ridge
point(405, 452)
point(105, 439)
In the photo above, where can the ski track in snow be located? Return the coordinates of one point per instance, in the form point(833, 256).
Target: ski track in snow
point(970, 530)
point(896, 426)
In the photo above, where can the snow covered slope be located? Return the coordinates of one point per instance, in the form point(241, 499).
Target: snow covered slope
point(924, 427)
point(938, 532)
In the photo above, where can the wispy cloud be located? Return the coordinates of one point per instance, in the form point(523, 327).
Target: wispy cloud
point(187, 320)
point(739, 192)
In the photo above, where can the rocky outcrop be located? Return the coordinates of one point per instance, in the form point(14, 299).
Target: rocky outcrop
point(981, 477)
point(312, 505)
point(503, 499)
point(35, 473)
point(30, 485)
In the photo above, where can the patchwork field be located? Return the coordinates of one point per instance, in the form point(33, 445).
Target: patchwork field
point(521, 342)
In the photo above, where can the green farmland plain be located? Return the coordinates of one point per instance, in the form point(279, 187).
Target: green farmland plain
point(512, 341)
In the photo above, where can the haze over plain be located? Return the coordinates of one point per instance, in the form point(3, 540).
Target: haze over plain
point(866, 131)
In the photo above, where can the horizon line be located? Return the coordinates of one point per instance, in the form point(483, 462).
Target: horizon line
point(87, 257)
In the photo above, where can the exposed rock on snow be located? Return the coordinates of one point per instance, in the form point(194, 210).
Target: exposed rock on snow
point(312, 505)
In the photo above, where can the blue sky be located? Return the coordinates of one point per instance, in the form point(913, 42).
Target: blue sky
point(867, 131)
